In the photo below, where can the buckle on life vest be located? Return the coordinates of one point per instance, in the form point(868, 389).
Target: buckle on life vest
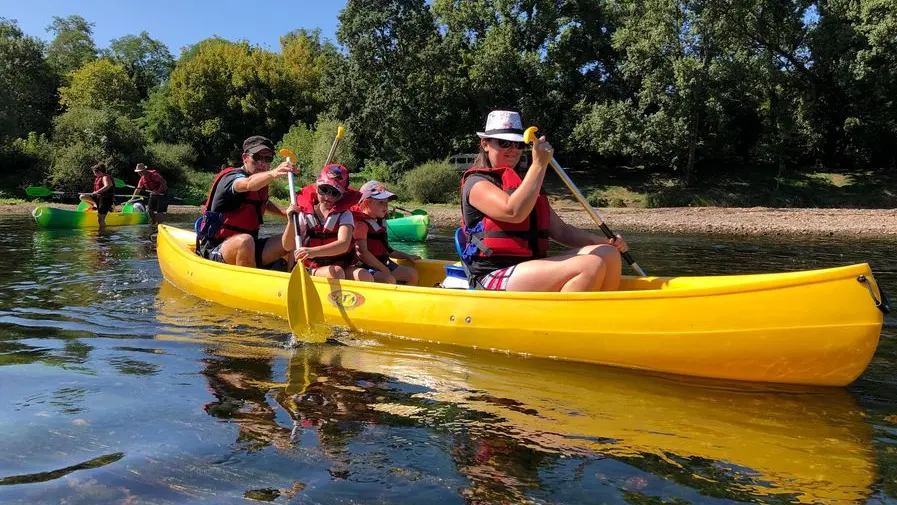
point(209, 224)
point(475, 242)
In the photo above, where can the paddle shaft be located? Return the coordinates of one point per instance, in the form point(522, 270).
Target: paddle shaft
point(336, 139)
point(295, 217)
point(593, 213)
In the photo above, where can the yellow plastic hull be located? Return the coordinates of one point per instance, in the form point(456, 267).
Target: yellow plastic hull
point(815, 327)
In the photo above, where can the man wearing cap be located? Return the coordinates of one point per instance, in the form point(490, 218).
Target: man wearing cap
point(155, 184)
point(234, 209)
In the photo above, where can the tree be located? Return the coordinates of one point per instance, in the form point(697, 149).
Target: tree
point(227, 91)
point(398, 83)
point(101, 84)
point(147, 61)
point(27, 84)
point(84, 136)
point(72, 45)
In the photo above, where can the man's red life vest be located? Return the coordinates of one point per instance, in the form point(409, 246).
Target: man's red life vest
point(313, 232)
point(496, 239)
point(247, 218)
point(377, 240)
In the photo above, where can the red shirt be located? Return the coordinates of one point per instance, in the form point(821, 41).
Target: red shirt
point(153, 182)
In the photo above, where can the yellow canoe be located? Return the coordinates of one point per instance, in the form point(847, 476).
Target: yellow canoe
point(817, 327)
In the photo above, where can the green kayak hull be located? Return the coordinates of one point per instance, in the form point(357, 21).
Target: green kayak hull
point(51, 217)
point(412, 228)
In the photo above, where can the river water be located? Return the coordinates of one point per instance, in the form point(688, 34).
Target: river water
point(115, 387)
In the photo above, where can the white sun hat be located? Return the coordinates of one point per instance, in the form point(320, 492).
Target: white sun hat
point(503, 124)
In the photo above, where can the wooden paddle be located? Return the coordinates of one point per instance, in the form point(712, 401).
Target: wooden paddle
point(332, 153)
point(304, 311)
point(529, 136)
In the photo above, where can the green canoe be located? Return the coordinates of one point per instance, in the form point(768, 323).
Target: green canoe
point(413, 228)
point(51, 217)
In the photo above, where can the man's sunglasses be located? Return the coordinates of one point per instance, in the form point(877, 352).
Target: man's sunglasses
point(325, 190)
point(258, 157)
point(504, 144)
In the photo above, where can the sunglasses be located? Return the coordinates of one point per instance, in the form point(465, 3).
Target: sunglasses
point(264, 159)
point(504, 144)
point(325, 190)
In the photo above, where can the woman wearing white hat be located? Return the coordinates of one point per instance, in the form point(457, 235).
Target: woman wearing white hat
point(508, 222)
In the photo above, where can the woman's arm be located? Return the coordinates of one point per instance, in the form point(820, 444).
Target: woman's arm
point(571, 236)
point(514, 208)
point(574, 237)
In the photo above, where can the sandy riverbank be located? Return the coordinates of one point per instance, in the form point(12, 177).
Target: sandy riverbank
point(738, 221)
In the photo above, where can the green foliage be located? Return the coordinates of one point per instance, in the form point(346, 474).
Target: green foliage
point(72, 45)
point(399, 83)
point(83, 137)
point(194, 185)
point(225, 92)
point(146, 60)
point(101, 84)
point(27, 84)
point(432, 182)
point(173, 161)
point(311, 147)
point(25, 161)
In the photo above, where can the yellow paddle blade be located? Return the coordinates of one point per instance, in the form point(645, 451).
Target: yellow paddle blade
point(529, 135)
point(286, 153)
point(339, 132)
point(304, 310)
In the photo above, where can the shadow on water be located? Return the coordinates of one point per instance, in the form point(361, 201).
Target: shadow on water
point(118, 388)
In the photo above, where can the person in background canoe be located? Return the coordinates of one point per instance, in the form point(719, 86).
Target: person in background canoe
point(235, 208)
point(371, 241)
point(508, 222)
point(103, 197)
point(326, 225)
point(155, 184)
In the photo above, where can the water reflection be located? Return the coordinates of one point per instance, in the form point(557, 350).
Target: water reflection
point(116, 389)
point(511, 429)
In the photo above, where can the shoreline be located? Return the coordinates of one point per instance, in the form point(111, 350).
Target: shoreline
point(752, 221)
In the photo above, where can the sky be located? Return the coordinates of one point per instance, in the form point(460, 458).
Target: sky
point(180, 23)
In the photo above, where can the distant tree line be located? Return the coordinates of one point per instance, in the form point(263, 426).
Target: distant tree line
point(687, 85)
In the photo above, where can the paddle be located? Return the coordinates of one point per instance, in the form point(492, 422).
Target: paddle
point(529, 136)
point(332, 153)
point(304, 311)
point(42, 191)
point(415, 212)
point(121, 184)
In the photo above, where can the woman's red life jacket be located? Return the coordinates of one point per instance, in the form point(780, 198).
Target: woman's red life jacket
point(98, 185)
point(496, 239)
point(312, 229)
point(247, 218)
point(377, 240)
